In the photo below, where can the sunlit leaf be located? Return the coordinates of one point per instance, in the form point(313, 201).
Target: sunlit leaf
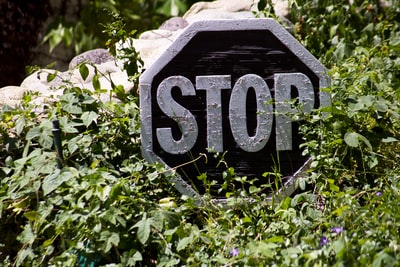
point(33, 133)
point(184, 242)
point(32, 215)
point(143, 230)
point(96, 83)
point(390, 140)
point(88, 117)
point(113, 240)
point(134, 259)
point(20, 125)
point(53, 181)
point(84, 71)
point(353, 139)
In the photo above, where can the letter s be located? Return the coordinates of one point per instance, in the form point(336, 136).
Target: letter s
point(185, 119)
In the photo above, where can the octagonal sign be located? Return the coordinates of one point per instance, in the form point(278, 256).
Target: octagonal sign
point(230, 93)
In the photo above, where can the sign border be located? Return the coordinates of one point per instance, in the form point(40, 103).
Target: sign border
point(179, 44)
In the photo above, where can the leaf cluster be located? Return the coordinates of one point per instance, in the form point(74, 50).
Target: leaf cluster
point(101, 199)
point(87, 32)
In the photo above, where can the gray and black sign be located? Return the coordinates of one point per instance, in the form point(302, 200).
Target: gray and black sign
point(230, 86)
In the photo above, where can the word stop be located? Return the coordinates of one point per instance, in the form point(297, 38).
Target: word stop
point(213, 85)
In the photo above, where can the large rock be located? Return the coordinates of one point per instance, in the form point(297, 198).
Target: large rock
point(222, 9)
point(174, 24)
point(95, 56)
point(108, 71)
point(150, 45)
point(41, 82)
point(12, 95)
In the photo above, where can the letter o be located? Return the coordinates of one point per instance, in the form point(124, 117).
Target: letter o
point(237, 113)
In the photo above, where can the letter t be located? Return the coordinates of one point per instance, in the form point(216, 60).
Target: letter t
point(213, 85)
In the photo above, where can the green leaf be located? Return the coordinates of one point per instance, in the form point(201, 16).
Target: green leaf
point(32, 215)
point(137, 256)
point(113, 240)
point(276, 239)
point(46, 140)
point(48, 242)
point(353, 139)
point(143, 231)
point(158, 220)
point(340, 210)
point(339, 246)
point(53, 181)
point(381, 107)
point(84, 71)
point(383, 259)
point(72, 108)
point(184, 242)
point(266, 249)
point(293, 252)
point(389, 140)
point(88, 117)
point(372, 161)
point(68, 126)
point(23, 255)
point(172, 7)
point(103, 192)
point(68, 35)
point(119, 91)
point(20, 125)
point(254, 189)
point(96, 83)
point(170, 232)
point(27, 236)
point(332, 185)
point(54, 36)
point(366, 142)
point(69, 103)
point(366, 100)
point(33, 133)
point(72, 146)
point(51, 76)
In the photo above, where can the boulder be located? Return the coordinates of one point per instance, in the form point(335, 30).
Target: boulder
point(11, 95)
point(108, 71)
point(174, 24)
point(95, 56)
point(221, 9)
point(41, 82)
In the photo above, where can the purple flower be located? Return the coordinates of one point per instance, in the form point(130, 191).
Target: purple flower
point(378, 194)
point(323, 241)
point(337, 230)
point(234, 252)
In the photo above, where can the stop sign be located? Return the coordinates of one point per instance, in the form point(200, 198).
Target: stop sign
point(227, 90)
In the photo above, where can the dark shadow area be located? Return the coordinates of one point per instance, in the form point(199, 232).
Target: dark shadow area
point(21, 22)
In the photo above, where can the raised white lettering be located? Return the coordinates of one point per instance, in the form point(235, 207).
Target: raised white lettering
point(283, 84)
point(213, 86)
point(185, 119)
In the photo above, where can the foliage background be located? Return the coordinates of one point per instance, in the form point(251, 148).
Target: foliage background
point(107, 207)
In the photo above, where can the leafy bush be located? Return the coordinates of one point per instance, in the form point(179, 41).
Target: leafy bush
point(106, 206)
point(360, 135)
point(103, 187)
